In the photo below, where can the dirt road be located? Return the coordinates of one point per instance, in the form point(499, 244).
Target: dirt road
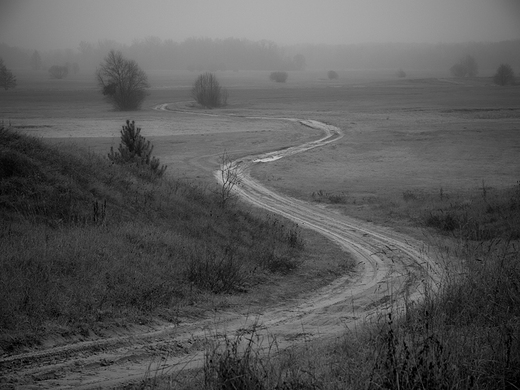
point(391, 268)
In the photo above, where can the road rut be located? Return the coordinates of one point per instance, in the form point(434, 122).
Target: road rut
point(391, 268)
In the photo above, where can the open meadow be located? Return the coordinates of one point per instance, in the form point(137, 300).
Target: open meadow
point(424, 168)
point(419, 135)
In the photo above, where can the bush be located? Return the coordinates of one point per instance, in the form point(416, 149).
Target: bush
point(135, 148)
point(458, 70)
point(58, 72)
point(207, 91)
point(332, 75)
point(467, 66)
point(279, 77)
point(122, 82)
point(400, 73)
point(504, 75)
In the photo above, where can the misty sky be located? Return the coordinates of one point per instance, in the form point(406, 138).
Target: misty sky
point(57, 24)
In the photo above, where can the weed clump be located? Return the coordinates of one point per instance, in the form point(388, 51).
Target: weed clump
point(328, 197)
point(484, 216)
point(251, 361)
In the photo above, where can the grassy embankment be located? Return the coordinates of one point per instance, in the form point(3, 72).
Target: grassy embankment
point(88, 245)
point(465, 337)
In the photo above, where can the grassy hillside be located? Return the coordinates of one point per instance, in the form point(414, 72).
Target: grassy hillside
point(87, 244)
point(466, 336)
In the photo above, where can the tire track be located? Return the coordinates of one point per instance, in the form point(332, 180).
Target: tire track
point(391, 269)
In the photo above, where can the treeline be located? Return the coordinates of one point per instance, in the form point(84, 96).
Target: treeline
point(199, 54)
point(205, 54)
point(410, 56)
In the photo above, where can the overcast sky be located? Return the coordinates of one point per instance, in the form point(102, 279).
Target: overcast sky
point(53, 24)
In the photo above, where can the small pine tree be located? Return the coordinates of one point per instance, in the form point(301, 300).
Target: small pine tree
point(135, 148)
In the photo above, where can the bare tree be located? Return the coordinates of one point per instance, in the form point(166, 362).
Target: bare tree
point(7, 80)
point(208, 92)
point(122, 82)
point(229, 177)
point(504, 75)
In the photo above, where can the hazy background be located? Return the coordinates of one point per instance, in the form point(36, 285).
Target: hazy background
point(54, 24)
point(220, 35)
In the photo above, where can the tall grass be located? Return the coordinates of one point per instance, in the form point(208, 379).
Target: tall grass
point(465, 336)
point(88, 244)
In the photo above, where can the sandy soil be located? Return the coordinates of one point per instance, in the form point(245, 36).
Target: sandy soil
point(391, 268)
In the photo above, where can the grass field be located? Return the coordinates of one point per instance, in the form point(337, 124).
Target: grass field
point(406, 134)
point(426, 153)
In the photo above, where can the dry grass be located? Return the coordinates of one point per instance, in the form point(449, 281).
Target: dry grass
point(466, 336)
point(423, 156)
point(405, 141)
point(88, 245)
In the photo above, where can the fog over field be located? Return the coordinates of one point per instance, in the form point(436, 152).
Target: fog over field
point(60, 24)
point(333, 33)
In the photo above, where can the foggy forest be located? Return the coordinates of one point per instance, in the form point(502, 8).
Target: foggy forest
point(207, 54)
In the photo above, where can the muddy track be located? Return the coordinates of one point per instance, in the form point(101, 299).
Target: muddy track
point(391, 268)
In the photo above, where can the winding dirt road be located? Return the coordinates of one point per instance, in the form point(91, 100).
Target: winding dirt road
point(391, 268)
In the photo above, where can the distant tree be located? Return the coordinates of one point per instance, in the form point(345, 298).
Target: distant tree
point(134, 148)
point(467, 66)
point(207, 91)
point(299, 62)
point(458, 70)
point(122, 82)
point(332, 75)
point(279, 77)
point(36, 61)
point(504, 75)
point(471, 65)
point(75, 68)
point(7, 80)
point(400, 73)
point(58, 72)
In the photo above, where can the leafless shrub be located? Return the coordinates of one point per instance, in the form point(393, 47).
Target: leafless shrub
point(400, 73)
point(332, 75)
point(208, 93)
point(230, 177)
point(279, 77)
